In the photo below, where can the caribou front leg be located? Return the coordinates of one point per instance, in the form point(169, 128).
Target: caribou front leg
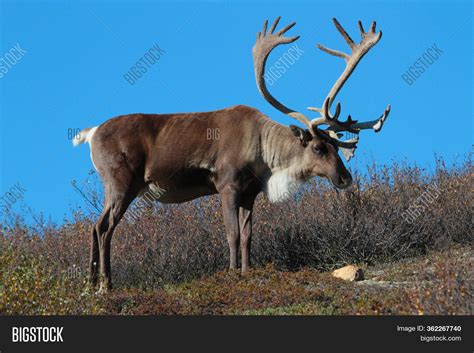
point(245, 222)
point(230, 210)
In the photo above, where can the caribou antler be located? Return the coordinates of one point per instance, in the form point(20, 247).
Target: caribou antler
point(368, 40)
point(265, 43)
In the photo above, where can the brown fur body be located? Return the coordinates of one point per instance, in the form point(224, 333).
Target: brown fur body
point(233, 152)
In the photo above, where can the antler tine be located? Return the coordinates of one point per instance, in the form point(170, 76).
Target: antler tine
point(265, 43)
point(264, 29)
point(361, 29)
point(344, 34)
point(272, 29)
point(332, 137)
point(372, 29)
point(376, 124)
point(286, 29)
point(334, 52)
point(332, 120)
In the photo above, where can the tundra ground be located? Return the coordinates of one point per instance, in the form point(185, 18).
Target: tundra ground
point(173, 259)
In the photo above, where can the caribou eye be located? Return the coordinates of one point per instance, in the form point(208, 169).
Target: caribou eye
point(320, 149)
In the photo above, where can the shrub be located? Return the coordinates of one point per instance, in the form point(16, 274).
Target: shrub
point(320, 228)
point(32, 286)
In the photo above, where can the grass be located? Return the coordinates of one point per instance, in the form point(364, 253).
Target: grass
point(416, 286)
point(438, 283)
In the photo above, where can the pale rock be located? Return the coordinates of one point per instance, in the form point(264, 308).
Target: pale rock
point(349, 273)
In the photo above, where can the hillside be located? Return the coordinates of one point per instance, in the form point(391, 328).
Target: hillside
point(410, 229)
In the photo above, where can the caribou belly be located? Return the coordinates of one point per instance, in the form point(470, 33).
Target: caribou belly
point(153, 192)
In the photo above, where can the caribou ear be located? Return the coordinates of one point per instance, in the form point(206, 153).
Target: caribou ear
point(302, 134)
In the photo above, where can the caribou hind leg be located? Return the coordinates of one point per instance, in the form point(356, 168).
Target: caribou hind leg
point(118, 196)
point(105, 226)
point(94, 257)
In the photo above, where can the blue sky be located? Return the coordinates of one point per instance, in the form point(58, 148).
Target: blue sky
point(71, 76)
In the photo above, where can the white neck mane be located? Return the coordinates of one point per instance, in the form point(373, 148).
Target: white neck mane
point(282, 185)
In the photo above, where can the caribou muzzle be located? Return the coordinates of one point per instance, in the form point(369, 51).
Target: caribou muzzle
point(342, 180)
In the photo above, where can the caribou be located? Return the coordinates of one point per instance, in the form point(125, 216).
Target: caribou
point(174, 156)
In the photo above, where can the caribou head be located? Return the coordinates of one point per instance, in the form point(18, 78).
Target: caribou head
point(321, 156)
